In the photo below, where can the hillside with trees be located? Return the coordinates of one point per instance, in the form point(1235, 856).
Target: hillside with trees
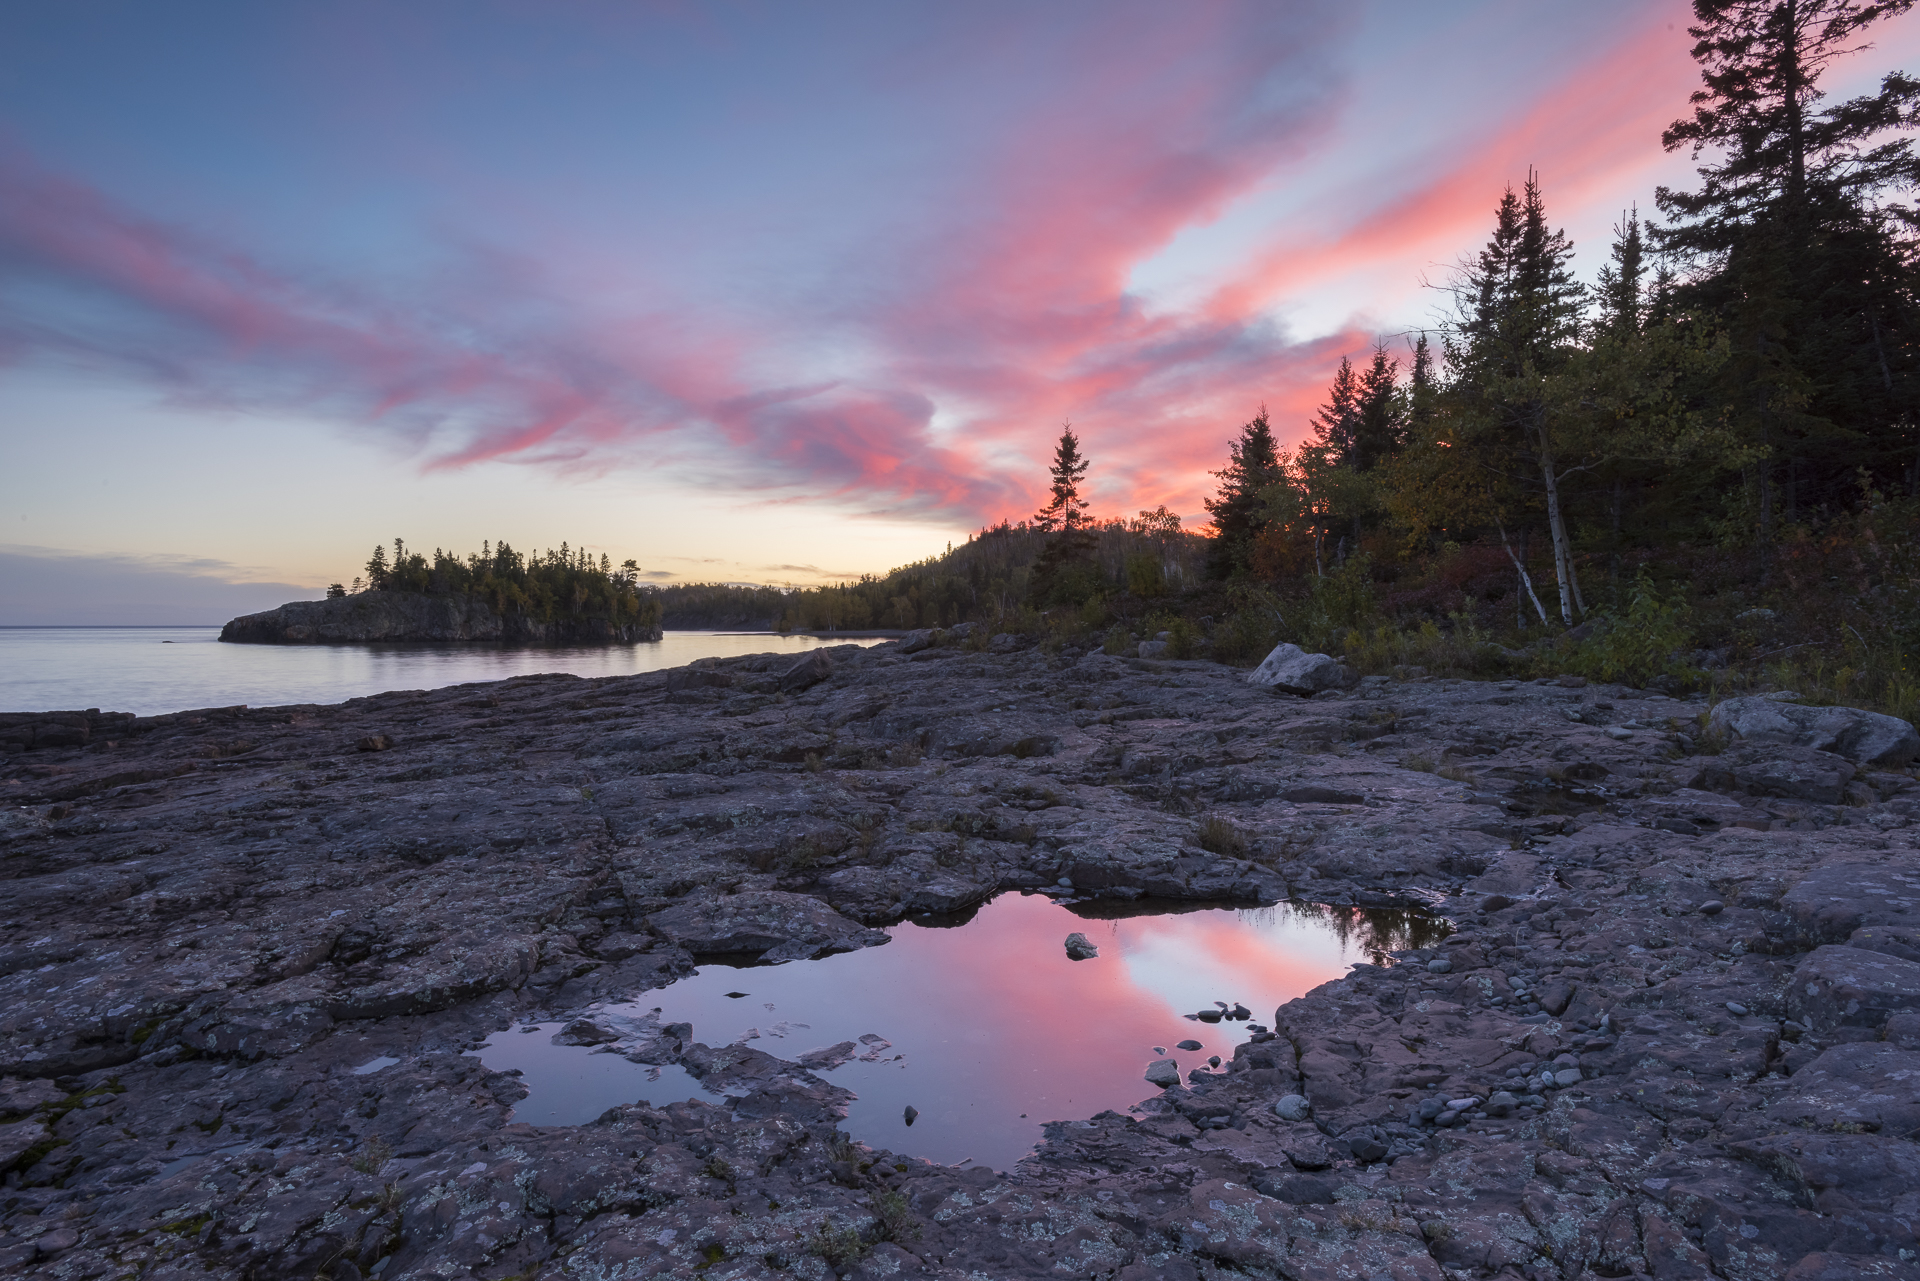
point(1703, 467)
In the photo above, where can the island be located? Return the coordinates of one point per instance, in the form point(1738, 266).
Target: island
point(555, 598)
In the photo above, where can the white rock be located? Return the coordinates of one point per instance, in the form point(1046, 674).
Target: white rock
point(1295, 671)
point(1292, 1107)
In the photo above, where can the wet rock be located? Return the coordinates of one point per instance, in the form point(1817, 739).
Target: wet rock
point(1292, 670)
point(1862, 737)
point(1080, 949)
point(1163, 1073)
point(912, 1114)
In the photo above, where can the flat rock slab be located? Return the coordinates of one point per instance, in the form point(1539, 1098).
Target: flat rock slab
point(1837, 986)
point(1836, 899)
point(1870, 1086)
point(767, 923)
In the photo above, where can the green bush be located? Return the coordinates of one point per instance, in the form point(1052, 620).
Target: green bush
point(1651, 639)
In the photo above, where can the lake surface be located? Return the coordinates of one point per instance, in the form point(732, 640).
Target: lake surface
point(988, 1028)
point(150, 670)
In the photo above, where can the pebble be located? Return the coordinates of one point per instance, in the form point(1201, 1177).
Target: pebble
point(1567, 1076)
point(1736, 1009)
point(911, 1113)
point(1208, 1016)
point(1080, 947)
point(1188, 1044)
point(1440, 965)
point(1712, 907)
point(1292, 1107)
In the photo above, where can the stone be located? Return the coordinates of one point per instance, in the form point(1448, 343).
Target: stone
point(1292, 1107)
point(1188, 1045)
point(1292, 670)
point(1440, 965)
point(1500, 1103)
point(1834, 987)
point(1366, 1149)
point(1154, 649)
point(769, 923)
point(808, 672)
point(1164, 1073)
point(1866, 1086)
point(912, 1113)
point(1865, 738)
point(1712, 907)
point(1295, 1189)
point(915, 641)
point(1736, 1009)
point(1567, 1076)
point(1209, 1016)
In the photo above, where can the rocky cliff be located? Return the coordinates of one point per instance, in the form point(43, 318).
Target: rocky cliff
point(1676, 1035)
point(413, 616)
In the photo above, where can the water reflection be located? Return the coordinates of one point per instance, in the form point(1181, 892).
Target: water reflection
point(990, 1028)
point(150, 670)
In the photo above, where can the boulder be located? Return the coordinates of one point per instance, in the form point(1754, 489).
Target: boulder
point(1164, 1073)
point(1868, 738)
point(1835, 901)
point(806, 673)
point(915, 641)
point(1294, 671)
point(777, 925)
point(1845, 987)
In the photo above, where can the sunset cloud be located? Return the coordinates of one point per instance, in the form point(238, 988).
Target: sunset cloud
point(892, 320)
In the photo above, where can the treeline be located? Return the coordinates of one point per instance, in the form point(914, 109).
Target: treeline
point(1742, 375)
point(547, 586)
point(1147, 557)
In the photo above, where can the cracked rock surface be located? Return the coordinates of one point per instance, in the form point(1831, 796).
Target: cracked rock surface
point(244, 951)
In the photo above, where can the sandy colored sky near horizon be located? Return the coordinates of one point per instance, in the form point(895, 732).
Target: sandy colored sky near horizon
point(745, 292)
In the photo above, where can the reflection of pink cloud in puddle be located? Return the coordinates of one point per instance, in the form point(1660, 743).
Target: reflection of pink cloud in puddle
point(995, 1021)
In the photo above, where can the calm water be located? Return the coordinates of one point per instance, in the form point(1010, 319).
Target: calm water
point(994, 1029)
point(149, 670)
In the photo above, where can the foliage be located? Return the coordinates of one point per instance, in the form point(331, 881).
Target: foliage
point(546, 586)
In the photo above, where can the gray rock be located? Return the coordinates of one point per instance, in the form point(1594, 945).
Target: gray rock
point(1500, 1103)
point(1189, 1045)
point(808, 672)
point(1079, 948)
point(1867, 1085)
point(1862, 737)
point(911, 1114)
point(1366, 1149)
point(915, 641)
point(1567, 1076)
point(1164, 1073)
point(1440, 965)
point(1712, 907)
point(1154, 649)
point(1292, 670)
point(1292, 1107)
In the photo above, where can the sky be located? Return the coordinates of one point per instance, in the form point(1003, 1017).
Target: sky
point(746, 292)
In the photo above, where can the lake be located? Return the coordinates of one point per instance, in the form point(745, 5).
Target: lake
point(150, 670)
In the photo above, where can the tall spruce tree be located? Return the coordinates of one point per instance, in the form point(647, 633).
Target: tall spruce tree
point(1237, 509)
point(1066, 510)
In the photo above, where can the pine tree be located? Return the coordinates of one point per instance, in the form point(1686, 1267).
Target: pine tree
point(1380, 426)
point(1336, 424)
point(377, 569)
point(1065, 511)
point(1795, 247)
point(1623, 297)
point(1253, 466)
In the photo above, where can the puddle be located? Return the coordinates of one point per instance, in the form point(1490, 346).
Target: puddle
point(988, 1028)
point(374, 1065)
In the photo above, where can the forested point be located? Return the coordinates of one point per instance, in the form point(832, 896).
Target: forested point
point(545, 586)
point(1700, 470)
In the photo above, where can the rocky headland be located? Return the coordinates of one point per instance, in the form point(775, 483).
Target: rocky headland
point(1676, 1032)
point(421, 616)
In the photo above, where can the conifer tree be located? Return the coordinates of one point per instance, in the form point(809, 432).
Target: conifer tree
point(1237, 509)
point(1065, 511)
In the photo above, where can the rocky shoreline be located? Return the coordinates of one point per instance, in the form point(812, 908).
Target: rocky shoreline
point(418, 616)
point(1677, 1032)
